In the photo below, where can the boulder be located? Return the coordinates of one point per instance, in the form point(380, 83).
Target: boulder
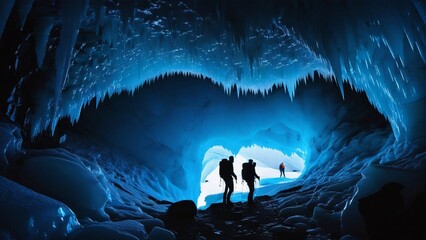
point(185, 209)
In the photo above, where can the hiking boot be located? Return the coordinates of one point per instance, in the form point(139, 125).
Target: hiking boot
point(230, 203)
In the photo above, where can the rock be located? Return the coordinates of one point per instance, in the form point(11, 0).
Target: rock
point(298, 219)
point(348, 237)
point(159, 233)
point(251, 222)
point(130, 227)
point(151, 224)
point(180, 215)
point(284, 232)
point(120, 212)
point(185, 209)
point(328, 220)
point(100, 232)
point(278, 229)
point(294, 210)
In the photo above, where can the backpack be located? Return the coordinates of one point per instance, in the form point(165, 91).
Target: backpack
point(245, 171)
point(223, 168)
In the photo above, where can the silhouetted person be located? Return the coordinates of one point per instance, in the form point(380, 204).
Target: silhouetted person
point(383, 212)
point(250, 174)
point(226, 172)
point(282, 169)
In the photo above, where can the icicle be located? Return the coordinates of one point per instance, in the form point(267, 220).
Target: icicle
point(72, 14)
point(420, 52)
point(421, 9)
point(5, 9)
point(42, 28)
point(24, 7)
point(338, 75)
point(98, 6)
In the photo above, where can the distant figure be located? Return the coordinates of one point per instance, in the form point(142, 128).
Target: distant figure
point(248, 174)
point(226, 172)
point(282, 169)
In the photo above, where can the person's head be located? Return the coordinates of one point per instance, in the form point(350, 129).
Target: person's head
point(251, 161)
point(254, 164)
point(231, 159)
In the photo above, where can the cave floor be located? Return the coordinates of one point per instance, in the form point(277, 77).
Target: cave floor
point(241, 221)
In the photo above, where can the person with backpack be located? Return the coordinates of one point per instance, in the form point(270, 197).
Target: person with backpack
point(226, 172)
point(282, 169)
point(249, 174)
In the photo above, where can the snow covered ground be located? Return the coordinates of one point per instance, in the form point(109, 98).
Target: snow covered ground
point(214, 184)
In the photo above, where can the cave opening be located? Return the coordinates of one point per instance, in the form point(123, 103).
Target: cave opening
point(268, 161)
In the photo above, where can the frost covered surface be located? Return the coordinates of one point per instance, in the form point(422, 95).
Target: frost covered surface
point(64, 177)
point(10, 143)
point(26, 214)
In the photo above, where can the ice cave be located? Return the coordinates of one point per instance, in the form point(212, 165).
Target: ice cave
point(115, 115)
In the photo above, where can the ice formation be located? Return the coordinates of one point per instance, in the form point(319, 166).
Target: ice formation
point(149, 86)
point(379, 50)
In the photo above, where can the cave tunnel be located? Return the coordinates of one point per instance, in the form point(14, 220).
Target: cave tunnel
point(114, 116)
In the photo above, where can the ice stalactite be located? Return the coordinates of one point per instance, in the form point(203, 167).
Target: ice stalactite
point(5, 9)
point(42, 28)
point(72, 14)
point(24, 7)
point(379, 50)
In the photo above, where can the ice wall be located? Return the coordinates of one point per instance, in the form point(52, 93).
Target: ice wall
point(377, 47)
point(168, 125)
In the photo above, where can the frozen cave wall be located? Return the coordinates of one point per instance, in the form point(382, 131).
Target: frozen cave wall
point(59, 56)
point(169, 124)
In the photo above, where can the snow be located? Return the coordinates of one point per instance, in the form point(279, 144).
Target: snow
point(265, 158)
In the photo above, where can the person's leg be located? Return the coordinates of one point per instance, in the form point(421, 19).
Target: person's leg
point(251, 191)
point(226, 190)
point(231, 190)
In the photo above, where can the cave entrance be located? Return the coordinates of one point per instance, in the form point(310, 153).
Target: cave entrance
point(267, 159)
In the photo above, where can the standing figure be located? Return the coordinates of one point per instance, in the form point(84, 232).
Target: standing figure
point(282, 169)
point(249, 174)
point(226, 172)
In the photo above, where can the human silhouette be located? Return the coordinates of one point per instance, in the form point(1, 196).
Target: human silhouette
point(250, 175)
point(282, 169)
point(226, 171)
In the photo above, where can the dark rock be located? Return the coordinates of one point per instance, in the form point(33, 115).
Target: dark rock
point(185, 210)
point(284, 232)
point(180, 217)
point(383, 212)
